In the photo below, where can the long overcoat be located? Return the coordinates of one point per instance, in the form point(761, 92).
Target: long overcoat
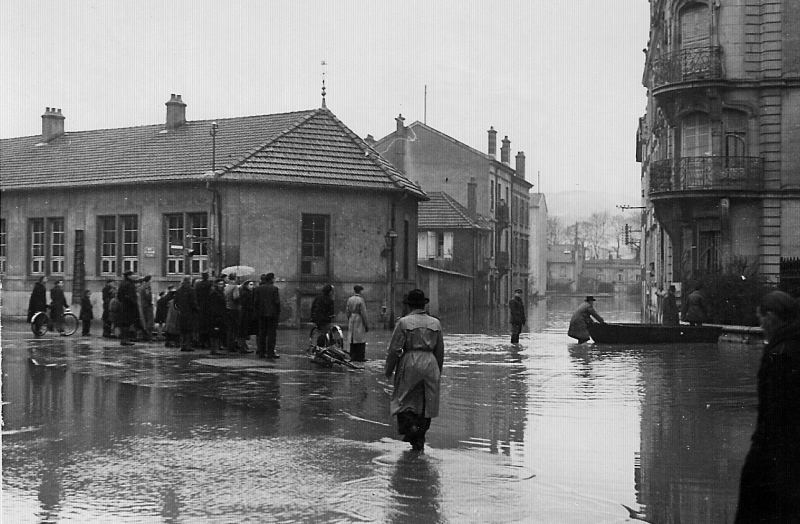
point(186, 303)
point(171, 318)
point(416, 356)
point(38, 301)
point(769, 489)
point(129, 313)
point(578, 324)
point(356, 320)
point(57, 303)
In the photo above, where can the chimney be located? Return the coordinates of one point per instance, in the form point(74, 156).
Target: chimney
point(492, 142)
point(176, 112)
point(370, 140)
point(520, 164)
point(401, 128)
point(505, 151)
point(52, 124)
point(472, 199)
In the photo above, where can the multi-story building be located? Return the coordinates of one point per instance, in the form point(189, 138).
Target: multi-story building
point(537, 246)
point(440, 163)
point(720, 142)
point(297, 194)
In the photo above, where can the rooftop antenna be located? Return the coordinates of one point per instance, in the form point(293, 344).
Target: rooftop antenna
point(538, 181)
point(323, 64)
point(425, 113)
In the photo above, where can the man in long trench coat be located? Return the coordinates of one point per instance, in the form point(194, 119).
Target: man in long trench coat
point(416, 357)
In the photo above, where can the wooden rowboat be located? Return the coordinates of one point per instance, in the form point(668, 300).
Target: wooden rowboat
point(611, 333)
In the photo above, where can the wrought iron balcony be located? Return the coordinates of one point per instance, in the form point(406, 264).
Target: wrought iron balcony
point(687, 65)
point(707, 173)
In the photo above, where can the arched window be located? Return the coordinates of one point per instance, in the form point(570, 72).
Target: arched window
point(695, 135)
point(735, 123)
point(694, 26)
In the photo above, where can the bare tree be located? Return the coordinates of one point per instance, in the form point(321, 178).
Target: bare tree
point(596, 233)
point(556, 232)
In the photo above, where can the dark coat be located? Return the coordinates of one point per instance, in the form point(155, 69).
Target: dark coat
point(268, 301)
point(770, 484)
point(215, 307)
point(161, 309)
point(38, 301)
point(57, 303)
point(669, 315)
point(694, 310)
point(108, 292)
point(202, 289)
point(129, 302)
point(186, 304)
point(322, 310)
point(517, 309)
point(171, 322)
point(86, 309)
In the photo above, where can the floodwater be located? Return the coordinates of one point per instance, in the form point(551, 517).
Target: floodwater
point(547, 431)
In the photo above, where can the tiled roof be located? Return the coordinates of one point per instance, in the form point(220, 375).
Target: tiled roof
point(320, 150)
point(304, 147)
point(442, 211)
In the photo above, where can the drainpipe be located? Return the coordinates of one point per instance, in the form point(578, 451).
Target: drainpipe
point(215, 261)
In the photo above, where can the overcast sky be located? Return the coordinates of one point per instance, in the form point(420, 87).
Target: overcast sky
point(561, 78)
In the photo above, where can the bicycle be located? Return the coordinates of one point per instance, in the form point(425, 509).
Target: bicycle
point(41, 322)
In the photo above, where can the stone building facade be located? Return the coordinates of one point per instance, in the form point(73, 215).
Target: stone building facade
point(297, 194)
point(720, 142)
point(440, 163)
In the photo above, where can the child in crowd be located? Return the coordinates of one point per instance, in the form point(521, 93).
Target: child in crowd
point(86, 315)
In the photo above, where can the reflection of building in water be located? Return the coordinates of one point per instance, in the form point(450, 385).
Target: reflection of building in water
point(693, 436)
point(484, 403)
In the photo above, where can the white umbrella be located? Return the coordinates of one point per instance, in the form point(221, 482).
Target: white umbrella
point(241, 271)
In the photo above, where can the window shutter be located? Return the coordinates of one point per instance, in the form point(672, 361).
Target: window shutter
point(448, 245)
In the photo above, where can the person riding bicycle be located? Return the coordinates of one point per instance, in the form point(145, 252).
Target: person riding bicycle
point(38, 301)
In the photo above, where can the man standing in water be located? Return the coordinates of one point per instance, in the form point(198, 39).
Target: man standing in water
point(770, 484)
point(518, 318)
point(578, 324)
point(416, 357)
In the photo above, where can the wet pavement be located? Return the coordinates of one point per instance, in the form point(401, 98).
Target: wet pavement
point(547, 431)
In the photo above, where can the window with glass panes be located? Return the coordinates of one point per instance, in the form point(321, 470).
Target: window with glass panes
point(108, 245)
point(3, 240)
point(57, 245)
point(199, 231)
point(37, 247)
point(130, 242)
point(314, 245)
point(175, 237)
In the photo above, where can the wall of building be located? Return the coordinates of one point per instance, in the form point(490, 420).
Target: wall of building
point(537, 247)
point(261, 227)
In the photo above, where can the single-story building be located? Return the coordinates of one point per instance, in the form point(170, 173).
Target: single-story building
point(297, 194)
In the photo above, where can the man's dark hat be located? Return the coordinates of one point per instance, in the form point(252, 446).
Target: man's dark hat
point(357, 288)
point(270, 276)
point(590, 298)
point(416, 297)
point(127, 273)
point(517, 291)
point(327, 288)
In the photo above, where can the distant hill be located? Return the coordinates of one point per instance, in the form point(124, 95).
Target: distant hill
point(572, 206)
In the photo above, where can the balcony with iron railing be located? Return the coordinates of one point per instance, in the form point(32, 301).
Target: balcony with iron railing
point(706, 174)
point(696, 64)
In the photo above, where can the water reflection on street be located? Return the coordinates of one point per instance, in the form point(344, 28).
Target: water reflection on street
point(547, 431)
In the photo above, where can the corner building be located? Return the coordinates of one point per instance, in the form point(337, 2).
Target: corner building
point(297, 194)
point(720, 142)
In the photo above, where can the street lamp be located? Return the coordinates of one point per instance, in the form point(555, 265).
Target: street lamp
point(216, 212)
point(390, 238)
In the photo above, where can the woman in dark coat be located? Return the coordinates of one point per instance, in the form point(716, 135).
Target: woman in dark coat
point(38, 301)
point(86, 314)
point(58, 302)
point(770, 484)
point(129, 302)
point(670, 313)
point(186, 304)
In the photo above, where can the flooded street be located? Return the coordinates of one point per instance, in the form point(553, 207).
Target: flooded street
point(547, 431)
